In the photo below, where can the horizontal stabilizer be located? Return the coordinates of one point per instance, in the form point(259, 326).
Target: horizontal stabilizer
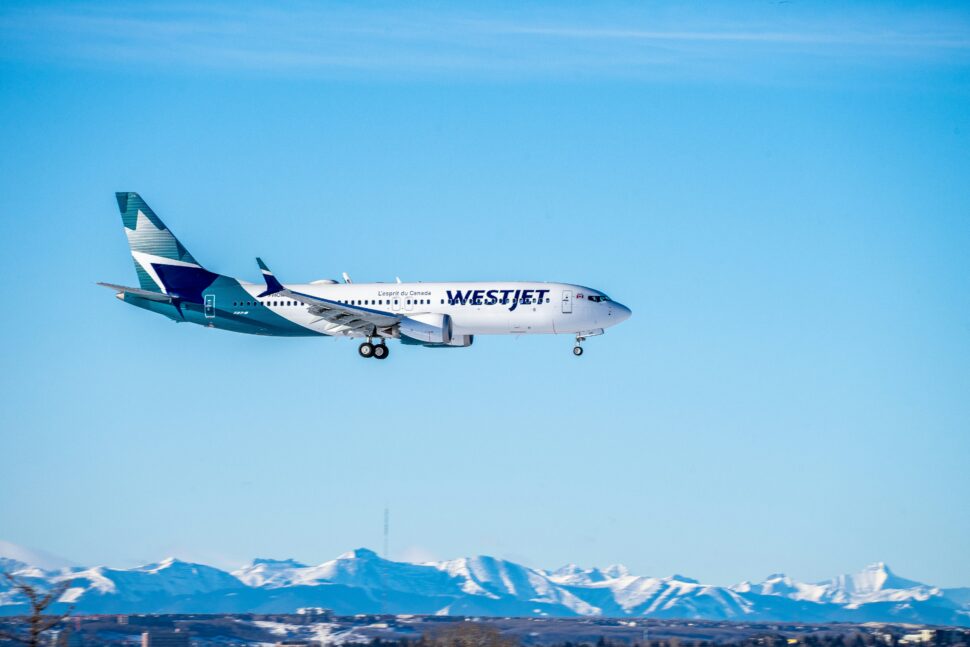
point(151, 295)
point(272, 285)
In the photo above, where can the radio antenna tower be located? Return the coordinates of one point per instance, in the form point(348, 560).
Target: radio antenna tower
point(387, 531)
point(387, 527)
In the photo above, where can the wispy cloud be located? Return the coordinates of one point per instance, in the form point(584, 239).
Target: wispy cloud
point(884, 39)
point(600, 40)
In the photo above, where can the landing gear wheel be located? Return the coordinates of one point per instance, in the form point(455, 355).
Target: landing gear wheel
point(577, 350)
point(366, 349)
point(381, 351)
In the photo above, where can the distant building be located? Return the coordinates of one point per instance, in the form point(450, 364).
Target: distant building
point(920, 637)
point(161, 638)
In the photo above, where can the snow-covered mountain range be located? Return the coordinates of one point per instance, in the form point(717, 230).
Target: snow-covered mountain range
point(362, 582)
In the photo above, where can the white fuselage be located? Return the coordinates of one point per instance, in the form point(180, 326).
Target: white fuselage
point(475, 308)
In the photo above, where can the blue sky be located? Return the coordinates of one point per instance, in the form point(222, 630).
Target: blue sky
point(778, 190)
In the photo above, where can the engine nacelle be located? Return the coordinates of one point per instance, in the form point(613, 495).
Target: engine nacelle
point(460, 341)
point(427, 328)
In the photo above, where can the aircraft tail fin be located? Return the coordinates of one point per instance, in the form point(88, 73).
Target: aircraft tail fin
point(161, 261)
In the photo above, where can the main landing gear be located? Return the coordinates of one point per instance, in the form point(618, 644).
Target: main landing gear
point(578, 349)
point(380, 351)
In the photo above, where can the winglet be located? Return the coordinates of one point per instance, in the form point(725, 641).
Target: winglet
point(272, 285)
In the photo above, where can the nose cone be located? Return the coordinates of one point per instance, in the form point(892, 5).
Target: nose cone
point(619, 312)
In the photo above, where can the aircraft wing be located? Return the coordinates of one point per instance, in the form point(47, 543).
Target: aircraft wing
point(365, 321)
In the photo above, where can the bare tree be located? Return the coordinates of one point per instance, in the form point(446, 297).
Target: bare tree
point(468, 634)
point(39, 600)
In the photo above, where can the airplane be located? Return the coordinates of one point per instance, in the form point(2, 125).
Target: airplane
point(435, 315)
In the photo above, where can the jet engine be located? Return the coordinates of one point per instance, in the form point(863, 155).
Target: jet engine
point(433, 330)
point(427, 328)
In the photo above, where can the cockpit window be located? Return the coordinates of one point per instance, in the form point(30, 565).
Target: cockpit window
point(597, 298)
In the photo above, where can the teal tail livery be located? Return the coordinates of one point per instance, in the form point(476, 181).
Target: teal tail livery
point(433, 315)
point(152, 245)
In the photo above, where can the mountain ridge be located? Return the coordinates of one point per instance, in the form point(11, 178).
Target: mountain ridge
point(360, 581)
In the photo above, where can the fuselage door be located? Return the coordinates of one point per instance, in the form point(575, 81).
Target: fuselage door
point(210, 306)
point(567, 301)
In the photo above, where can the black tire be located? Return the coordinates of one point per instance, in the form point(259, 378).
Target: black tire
point(366, 349)
point(577, 350)
point(381, 351)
